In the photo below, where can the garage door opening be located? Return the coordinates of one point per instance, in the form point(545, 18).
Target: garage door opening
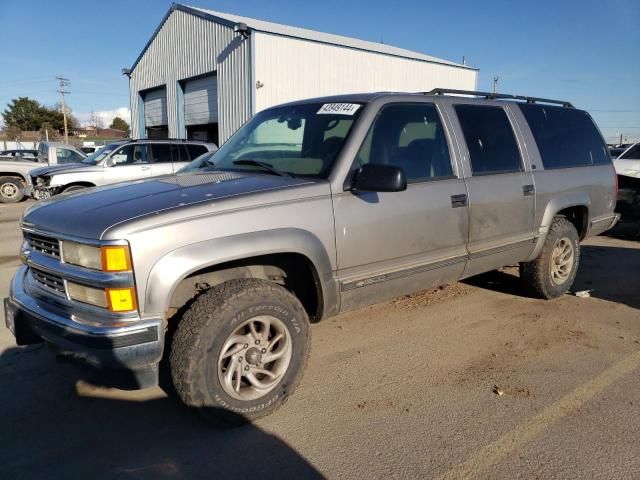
point(203, 133)
point(201, 109)
point(155, 113)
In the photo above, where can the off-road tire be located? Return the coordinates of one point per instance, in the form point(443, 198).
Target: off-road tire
point(199, 337)
point(14, 185)
point(536, 274)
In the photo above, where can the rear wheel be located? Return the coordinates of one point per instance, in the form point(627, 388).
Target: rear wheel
point(553, 272)
point(240, 348)
point(11, 190)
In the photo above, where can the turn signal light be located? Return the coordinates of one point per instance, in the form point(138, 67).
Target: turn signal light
point(116, 258)
point(121, 299)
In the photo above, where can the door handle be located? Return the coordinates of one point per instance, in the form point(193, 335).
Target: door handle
point(459, 200)
point(528, 190)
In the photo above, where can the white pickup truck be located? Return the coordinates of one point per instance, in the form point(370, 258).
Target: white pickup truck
point(14, 174)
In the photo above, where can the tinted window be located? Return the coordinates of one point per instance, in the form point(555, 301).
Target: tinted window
point(565, 137)
point(129, 155)
point(490, 140)
point(632, 153)
point(410, 137)
point(196, 150)
point(161, 152)
point(64, 155)
point(183, 153)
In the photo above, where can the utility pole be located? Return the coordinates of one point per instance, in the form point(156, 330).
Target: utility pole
point(64, 82)
point(495, 83)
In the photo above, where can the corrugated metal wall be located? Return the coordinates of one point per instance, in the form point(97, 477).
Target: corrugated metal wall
point(187, 46)
point(291, 69)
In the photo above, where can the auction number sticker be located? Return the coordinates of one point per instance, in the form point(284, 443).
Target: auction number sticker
point(339, 108)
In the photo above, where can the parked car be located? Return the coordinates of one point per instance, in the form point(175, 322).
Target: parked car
point(15, 174)
point(117, 162)
point(19, 155)
point(627, 167)
point(312, 208)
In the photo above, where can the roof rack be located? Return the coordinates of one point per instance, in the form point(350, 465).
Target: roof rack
point(494, 96)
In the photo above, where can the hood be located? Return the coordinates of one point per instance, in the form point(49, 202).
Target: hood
point(89, 214)
point(66, 168)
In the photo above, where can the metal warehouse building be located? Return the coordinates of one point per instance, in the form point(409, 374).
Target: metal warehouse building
point(204, 73)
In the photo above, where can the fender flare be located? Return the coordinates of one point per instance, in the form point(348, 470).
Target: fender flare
point(555, 205)
point(175, 266)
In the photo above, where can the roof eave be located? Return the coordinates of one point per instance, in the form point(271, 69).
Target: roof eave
point(230, 24)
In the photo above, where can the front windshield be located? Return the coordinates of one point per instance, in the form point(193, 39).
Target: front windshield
point(98, 155)
point(295, 140)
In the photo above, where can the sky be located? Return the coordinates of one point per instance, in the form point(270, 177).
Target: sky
point(587, 52)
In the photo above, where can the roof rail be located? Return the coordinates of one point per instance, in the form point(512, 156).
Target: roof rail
point(494, 96)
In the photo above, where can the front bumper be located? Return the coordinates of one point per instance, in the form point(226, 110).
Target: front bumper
point(132, 346)
point(40, 193)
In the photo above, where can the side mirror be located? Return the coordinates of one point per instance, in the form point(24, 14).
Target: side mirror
point(379, 178)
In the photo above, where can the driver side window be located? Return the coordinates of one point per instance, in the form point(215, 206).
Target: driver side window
point(129, 155)
point(409, 136)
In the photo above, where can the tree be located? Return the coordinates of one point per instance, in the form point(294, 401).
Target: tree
point(120, 124)
point(29, 115)
point(23, 113)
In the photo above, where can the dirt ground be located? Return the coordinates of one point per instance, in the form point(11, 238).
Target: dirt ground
point(471, 380)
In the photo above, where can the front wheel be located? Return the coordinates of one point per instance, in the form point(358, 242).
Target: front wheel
point(240, 348)
point(552, 273)
point(11, 190)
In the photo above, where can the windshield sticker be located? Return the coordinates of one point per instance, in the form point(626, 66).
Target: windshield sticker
point(339, 108)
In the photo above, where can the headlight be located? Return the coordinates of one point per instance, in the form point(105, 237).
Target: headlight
point(82, 255)
point(84, 294)
point(111, 258)
point(115, 299)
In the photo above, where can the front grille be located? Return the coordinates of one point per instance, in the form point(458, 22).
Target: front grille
point(49, 280)
point(41, 243)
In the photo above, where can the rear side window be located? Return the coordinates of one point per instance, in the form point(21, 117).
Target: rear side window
point(490, 139)
point(196, 150)
point(565, 137)
point(161, 153)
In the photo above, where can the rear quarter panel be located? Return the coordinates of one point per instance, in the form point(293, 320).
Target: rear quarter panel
point(557, 189)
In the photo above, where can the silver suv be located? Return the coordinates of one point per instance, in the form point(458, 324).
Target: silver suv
point(312, 208)
point(116, 162)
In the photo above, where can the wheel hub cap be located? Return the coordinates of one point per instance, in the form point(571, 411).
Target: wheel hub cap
point(562, 260)
point(254, 358)
point(9, 190)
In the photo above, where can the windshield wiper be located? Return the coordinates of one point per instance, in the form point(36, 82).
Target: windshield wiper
point(267, 166)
